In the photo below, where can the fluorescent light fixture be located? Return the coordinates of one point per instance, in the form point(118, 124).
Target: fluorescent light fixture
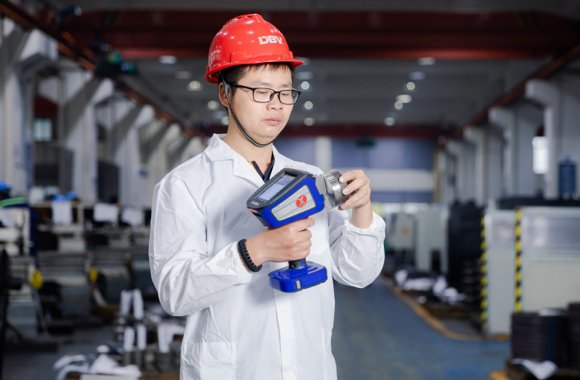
point(410, 86)
point(426, 61)
point(390, 121)
point(194, 85)
point(212, 105)
point(540, 153)
point(404, 98)
point(398, 105)
point(417, 75)
point(308, 105)
point(309, 121)
point(305, 85)
point(183, 75)
point(168, 59)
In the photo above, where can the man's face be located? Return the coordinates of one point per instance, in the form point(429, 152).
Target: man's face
point(262, 121)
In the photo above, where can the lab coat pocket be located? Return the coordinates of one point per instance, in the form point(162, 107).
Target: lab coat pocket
point(319, 233)
point(211, 360)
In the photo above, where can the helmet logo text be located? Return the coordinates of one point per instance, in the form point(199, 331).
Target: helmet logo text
point(270, 40)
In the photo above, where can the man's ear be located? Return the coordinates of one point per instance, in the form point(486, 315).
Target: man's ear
point(222, 95)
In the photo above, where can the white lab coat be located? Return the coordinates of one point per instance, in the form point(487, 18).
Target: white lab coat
point(238, 327)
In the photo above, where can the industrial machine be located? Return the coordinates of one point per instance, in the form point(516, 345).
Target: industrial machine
point(15, 231)
point(430, 243)
point(498, 271)
point(547, 257)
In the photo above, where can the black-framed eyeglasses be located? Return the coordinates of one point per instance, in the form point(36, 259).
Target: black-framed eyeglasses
point(265, 95)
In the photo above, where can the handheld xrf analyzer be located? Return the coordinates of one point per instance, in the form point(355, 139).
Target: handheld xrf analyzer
point(289, 196)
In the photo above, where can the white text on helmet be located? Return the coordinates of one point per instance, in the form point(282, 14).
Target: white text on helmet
point(270, 40)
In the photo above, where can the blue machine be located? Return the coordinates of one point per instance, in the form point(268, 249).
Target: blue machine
point(289, 196)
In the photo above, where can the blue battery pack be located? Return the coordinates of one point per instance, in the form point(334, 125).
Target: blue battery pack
point(291, 280)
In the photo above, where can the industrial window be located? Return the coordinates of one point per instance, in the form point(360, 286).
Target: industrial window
point(540, 155)
point(43, 130)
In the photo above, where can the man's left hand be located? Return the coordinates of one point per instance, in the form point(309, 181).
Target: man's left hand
point(359, 189)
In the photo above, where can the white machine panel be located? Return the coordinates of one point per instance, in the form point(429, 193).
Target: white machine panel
point(430, 238)
point(549, 257)
point(500, 270)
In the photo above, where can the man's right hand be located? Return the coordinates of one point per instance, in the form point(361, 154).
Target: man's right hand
point(287, 243)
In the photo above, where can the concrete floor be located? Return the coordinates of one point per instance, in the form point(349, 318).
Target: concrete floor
point(376, 337)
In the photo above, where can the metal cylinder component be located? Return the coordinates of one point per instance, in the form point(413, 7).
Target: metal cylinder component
point(334, 188)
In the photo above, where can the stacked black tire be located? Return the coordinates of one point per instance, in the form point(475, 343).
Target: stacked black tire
point(574, 334)
point(464, 246)
point(540, 337)
point(554, 336)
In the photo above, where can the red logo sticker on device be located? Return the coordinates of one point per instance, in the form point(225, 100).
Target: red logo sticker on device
point(301, 201)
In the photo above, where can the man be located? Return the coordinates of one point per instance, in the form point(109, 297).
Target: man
point(203, 267)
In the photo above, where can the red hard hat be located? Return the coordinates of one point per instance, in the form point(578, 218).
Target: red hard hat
point(247, 40)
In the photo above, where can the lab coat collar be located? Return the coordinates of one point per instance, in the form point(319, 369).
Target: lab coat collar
point(218, 150)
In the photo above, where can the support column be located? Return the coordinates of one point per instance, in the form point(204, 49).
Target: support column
point(124, 148)
point(477, 137)
point(495, 184)
point(13, 98)
point(448, 175)
point(561, 100)
point(504, 118)
point(464, 153)
point(154, 142)
point(176, 148)
point(22, 55)
point(520, 123)
point(323, 151)
point(80, 91)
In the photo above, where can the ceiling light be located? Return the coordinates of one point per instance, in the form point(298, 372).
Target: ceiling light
point(194, 85)
point(426, 61)
point(417, 75)
point(183, 75)
point(303, 75)
point(410, 86)
point(405, 98)
point(305, 85)
point(212, 105)
point(398, 105)
point(390, 121)
point(309, 121)
point(308, 105)
point(167, 59)
point(225, 120)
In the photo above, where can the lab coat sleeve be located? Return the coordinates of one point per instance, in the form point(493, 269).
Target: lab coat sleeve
point(186, 276)
point(358, 254)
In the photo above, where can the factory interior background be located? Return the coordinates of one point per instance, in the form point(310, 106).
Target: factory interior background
point(464, 114)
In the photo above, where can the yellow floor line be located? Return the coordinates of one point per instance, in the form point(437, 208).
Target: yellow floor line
point(498, 375)
point(432, 321)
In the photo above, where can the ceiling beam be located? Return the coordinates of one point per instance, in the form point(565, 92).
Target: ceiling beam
point(519, 90)
point(333, 34)
point(68, 46)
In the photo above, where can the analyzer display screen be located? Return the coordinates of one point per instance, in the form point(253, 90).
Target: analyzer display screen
point(275, 188)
